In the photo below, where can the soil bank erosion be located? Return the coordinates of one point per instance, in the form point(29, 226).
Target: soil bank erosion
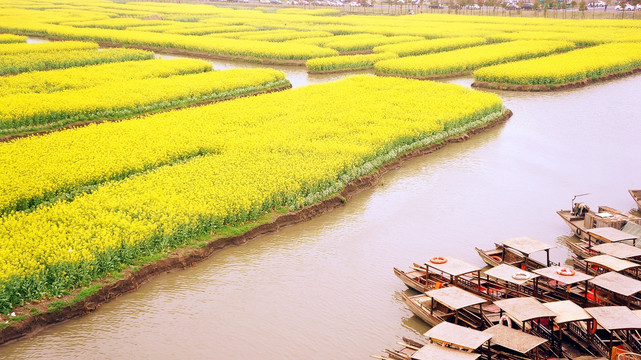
point(32, 321)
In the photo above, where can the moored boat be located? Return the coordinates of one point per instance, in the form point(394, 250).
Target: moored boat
point(605, 241)
point(437, 272)
point(516, 251)
point(449, 304)
point(581, 219)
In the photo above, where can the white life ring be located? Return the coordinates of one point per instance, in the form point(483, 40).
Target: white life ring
point(506, 319)
point(520, 276)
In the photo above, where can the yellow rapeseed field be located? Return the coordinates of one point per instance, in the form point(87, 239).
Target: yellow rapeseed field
point(588, 63)
point(457, 61)
point(282, 149)
point(20, 112)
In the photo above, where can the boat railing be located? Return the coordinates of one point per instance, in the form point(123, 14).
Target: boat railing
point(546, 333)
point(635, 342)
point(597, 343)
point(629, 356)
point(578, 331)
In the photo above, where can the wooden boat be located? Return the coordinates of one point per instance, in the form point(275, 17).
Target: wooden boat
point(581, 219)
point(605, 241)
point(636, 195)
point(415, 278)
point(437, 272)
point(449, 304)
point(516, 251)
point(408, 349)
point(615, 323)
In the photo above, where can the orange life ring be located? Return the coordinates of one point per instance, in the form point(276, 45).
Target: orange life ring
point(566, 271)
point(507, 320)
point(438, 260)
point(497, 258)
point(592, 327)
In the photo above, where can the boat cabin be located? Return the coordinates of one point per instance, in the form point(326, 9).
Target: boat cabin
point(605, 263)
point(516, 251)
point(618, 250)
point(450, 304)
point(571, 321)
point(528, 246)
point(563, 283)
point(529, 313)
point(504, 281)
point(438, 272)
point(613, 288)
point(458, 337)
point(510, 343)
point(453, 271)
point(613, 320)
point(609, 235)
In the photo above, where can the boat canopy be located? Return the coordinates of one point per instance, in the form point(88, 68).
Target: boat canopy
point(509, 273)
point(567, 311)
point(618, 250)
point(611, 263)
point(637, 313)
point(617, 283)
point(437, 352)
point(632, 229)
point(455, 298)
point(460, 336)
point(609, 234)
point(552, 272)
point(524, 308)
point(615, 317)
point(454, 266)
point(513, 339)
point(526, 245)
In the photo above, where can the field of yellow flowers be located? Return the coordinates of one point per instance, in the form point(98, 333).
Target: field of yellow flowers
point(132, 188)
point(588, 63)
point(80, 203)
point(111, 100)
point(458, 61)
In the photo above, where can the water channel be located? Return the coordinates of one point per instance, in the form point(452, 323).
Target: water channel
point(325, 289)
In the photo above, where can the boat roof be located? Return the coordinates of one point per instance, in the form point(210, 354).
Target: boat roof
point(618, 250)
point(526, 245)
point(436, 352)
point(617, 283)
point(632, 228)
point(552, 273)
point(524, 308)
point(567, 311)
point(457, 335)
point(454, 266)
point(609, 234)
point(507, 272)
point(514, 339)
point(615, 317)
point(611, 263)
point(455, 298)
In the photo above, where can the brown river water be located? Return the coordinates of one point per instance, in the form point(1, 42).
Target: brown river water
point(325, 289)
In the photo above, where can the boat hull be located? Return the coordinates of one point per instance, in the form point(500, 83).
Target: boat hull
point(421, 311)
point(636, 195)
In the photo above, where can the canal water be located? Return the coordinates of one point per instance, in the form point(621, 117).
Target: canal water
point(325, 289)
